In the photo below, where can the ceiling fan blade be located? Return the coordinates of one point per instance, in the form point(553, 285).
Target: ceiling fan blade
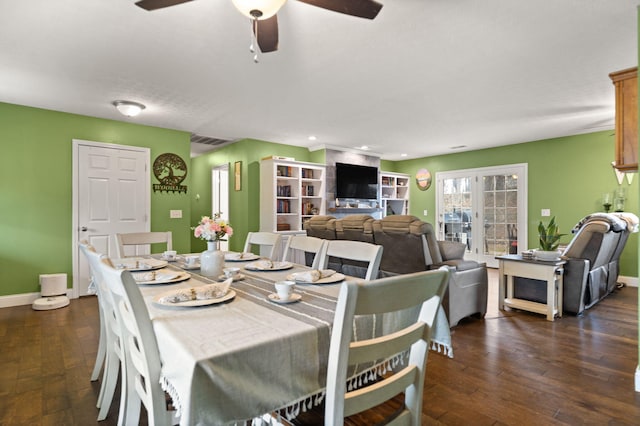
point(158, 4)
point(361, 8)
point(266, 31)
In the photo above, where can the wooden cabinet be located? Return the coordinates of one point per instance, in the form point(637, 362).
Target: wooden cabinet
point(394, 193)
point(626, 83)
point(290, 193)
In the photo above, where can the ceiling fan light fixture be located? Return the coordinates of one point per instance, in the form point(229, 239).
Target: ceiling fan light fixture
point(128, 108)
point(258, 9)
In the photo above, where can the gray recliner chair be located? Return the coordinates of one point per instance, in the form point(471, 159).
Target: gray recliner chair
point(410, 245)
point(592, 267)
point(468, 282)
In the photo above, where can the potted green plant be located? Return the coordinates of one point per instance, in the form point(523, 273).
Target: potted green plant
point(549, 240)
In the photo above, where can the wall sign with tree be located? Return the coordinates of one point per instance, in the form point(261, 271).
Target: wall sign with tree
point(170, 170)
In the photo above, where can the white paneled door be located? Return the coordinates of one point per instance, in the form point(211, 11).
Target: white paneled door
point(111, 195)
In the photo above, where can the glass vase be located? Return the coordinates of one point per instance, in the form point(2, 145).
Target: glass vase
point(212, 260)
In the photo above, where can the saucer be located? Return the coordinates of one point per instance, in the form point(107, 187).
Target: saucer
point(238, 277)
point(294, 298)
point(190, 267)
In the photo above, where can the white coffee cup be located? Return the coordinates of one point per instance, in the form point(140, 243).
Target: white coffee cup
point(231, 272)
point(284, 289)
point(170, 254)
point(191, 260)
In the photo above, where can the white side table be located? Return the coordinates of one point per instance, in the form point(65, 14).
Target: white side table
point(549, 272)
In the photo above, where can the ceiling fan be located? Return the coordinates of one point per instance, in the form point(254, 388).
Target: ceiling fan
point(265, 21)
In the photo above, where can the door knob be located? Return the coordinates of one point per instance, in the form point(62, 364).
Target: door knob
point(84, 229)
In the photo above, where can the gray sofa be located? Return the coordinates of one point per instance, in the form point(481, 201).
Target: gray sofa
point(410, 245)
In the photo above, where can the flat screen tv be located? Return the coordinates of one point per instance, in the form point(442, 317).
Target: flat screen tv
point(354, 181)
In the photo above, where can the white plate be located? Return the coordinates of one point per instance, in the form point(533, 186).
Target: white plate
point(143, 264)
point(192, 303)
point(277, 266)
point(231, 257)
point(238, 277)
point(181, 276)
point(294, 298)
point(335, 278)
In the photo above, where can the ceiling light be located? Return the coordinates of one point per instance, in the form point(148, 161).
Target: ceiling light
point(364, 147)
point(403, 155)
point(128, 108)
point(312, 138)
point(258, 9)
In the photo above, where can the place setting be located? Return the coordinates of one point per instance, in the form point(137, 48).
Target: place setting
point(268, 265)
point(240, 257)
point(316, 276)
point(233, 273)
point(284, 293)
point(140, 264)
point(204, 295)
point(162, 276)
point(189, 262)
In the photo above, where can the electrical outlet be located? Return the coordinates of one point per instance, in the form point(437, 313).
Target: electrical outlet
point(425, 212)
point(175, 214)
point(545, 212)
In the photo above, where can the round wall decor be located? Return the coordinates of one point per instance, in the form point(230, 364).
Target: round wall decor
point(423, 179)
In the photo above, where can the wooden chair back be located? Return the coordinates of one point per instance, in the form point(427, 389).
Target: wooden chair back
point(141, 348)
point(139, 242)
point(357, 251)
point(422, 291)
point(268, 241)
point(306, 244)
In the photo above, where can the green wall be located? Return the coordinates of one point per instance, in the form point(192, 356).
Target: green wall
point(36, 194)
point(567, 175)
point(244, 205)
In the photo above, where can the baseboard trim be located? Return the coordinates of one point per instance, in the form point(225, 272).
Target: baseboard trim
point(629, 281)
point(637, 376)
point(22, 299)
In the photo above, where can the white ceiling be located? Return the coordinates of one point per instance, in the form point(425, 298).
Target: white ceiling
point(422, 78)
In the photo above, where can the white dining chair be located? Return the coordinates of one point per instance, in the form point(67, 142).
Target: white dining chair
point(144, 239)
point(354, 250)
point(422, 291)
point(268, 242)
point(114, 357)
point(102, 350)
point(304, 244)
point(141, 349)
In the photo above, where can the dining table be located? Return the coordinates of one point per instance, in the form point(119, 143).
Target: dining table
point(241, 356)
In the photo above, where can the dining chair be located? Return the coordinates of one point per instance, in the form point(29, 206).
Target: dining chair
point(111, 332)
point(357, 251)
point(305, 244)
point(102, 350)
point(420, 291)
point(141, 348)
point(268, 240)
point(141, 239)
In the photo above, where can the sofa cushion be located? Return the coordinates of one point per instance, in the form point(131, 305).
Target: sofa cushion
point(461, 264)
point(451, 250)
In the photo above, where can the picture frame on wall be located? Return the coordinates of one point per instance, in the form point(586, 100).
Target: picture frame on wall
point(237, 173)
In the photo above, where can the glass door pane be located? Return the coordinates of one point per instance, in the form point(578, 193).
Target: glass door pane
point(500, 195)
point(456, 210)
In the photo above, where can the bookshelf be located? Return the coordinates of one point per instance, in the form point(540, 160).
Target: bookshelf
point(290, 193)
point(394, 193)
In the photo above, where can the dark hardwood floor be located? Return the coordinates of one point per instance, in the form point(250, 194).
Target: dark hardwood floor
point(512, 368)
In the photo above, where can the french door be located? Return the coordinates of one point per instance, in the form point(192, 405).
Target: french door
point(485, 208)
